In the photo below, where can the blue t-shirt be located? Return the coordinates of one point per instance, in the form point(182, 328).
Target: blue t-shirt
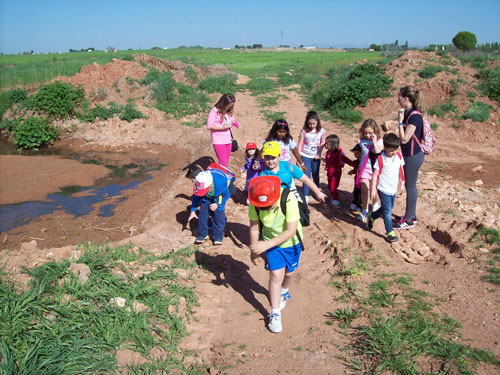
point(286, 173)
point(418, 121)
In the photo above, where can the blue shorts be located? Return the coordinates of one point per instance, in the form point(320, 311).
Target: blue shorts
point(281, 257)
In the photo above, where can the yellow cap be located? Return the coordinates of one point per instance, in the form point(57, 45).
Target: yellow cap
point(271, 148)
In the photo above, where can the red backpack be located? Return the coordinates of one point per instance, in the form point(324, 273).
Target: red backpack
point(427, 144)
point(381, 164)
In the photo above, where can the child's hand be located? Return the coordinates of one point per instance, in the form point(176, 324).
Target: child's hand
point(373, 195)
point(192, 216)
point(214, 206)
point(258, 248)
point(255, 258)
point(256, 166)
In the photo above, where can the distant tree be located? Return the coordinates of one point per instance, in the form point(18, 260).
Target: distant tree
point(406, 45)
point(396, 42)
point(156, 47)
point(465, 41)
point(258, 45)
point(375, 47)
point(110, 49)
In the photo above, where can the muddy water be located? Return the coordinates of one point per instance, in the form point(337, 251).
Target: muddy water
point(69, 196)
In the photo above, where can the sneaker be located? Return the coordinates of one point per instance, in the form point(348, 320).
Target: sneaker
point(218, 242)
point(335, 202)
point(401, 218)
point(307, 199)
point(391, 237)
point(199, 240)
point(369, 222)
point(284, 297)
point(362, 217)
point(275, 323)
point(403, 224)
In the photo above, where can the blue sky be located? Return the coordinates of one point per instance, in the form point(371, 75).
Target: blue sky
point(58, 25)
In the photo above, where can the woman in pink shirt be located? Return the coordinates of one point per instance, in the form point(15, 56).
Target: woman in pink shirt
point(220, 121)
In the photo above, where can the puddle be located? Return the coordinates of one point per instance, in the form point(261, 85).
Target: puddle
point(16, 215)
point(79, 200)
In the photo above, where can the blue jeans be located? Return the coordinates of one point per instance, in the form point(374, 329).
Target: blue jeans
point(385, 210)
point(312, 166)
point(218, 221)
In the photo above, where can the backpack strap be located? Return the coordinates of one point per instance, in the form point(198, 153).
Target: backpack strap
point(284, 197)
point(358, 178)
point(414, 137)
point(380, 166)
point(401, 170)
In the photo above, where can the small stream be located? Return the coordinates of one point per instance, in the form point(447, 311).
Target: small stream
point(77, 200)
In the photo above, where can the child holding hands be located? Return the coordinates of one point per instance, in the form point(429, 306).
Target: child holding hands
point(387, 173)
point(335, 161)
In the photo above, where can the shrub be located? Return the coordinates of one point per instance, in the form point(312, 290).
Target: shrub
point(101, 112)
point(443, 109)
point(478, 112)
point(9, 125)
point(347, 114)
point(221, 84)
point(490, 84)
point(430, 71)
point(164, 89)
point(130, 113)
point(7, 98)
point(352, 87)
point(34, 132)
point(58, 100)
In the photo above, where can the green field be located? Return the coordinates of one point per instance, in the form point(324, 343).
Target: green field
point(34, 70)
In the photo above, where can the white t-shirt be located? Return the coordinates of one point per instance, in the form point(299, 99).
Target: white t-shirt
point(286, 150)
point(389, 176)
point(365, 149)
point(311, 144)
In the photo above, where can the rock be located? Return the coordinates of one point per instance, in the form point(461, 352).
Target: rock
point(81, 270)
point(117, 302)
point(139, 307)
point(483, 250)
point(88, 138)
point(477, 209)
point(478, 182)
point(478, 168)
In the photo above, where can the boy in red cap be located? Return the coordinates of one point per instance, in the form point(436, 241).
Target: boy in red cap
point(251, 165)
point(279, 240)
point(211, 193)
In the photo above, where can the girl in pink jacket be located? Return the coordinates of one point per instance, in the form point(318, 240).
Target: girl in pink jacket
point(220, 121)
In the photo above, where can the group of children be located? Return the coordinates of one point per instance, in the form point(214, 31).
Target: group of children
point(275, 225)
point(371, 173)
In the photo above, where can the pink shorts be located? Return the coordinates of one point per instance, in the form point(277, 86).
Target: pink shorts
point(367, 174)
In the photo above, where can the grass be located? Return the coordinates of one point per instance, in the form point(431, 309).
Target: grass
point(59, 325)
point(477, 112)
point(34, 70)
point(272, 116)
point(443, 109)
point(492, 237)
point(394, 330)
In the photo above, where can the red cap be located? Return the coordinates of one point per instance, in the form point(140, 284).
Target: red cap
point(264, 191)
point(251, 146)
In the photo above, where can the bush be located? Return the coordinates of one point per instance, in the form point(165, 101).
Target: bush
point(130, 113)
point(101, 112)
point(9, 125)
point(490, 84)
point(443, 109)
point(352, 87)
point(34, 132)
point(478, 112)
point(164, 89)
point(347, 114)
point(7, 98)
point(58, 100)
point(221, 84)
point(430, 71)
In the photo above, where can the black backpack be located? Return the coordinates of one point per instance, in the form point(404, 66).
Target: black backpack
point(303, 210)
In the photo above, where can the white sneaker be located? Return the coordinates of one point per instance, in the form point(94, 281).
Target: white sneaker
point(375, 206)
point(284, 297)
point(362, 217)
point(335, 203)
point(307, 199)
point(275, 323)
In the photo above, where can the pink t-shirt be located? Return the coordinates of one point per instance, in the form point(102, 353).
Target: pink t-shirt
point(219, 137)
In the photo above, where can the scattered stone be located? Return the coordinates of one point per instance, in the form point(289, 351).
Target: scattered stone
point(81, 270)
point(483, 250)
point(477, 169)
point(29, 247)
point(88, 138)
point(477, 209)
point(118, 302)
point(478, 182)
point(139, 307)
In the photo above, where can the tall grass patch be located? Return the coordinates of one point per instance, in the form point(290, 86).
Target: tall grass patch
point(222, 84)
point(393, 329)
point(61, 325)
point(490, 84)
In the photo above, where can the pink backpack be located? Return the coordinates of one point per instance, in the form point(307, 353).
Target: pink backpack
point(427, 144)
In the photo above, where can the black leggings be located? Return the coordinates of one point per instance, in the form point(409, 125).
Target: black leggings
point(411, 167)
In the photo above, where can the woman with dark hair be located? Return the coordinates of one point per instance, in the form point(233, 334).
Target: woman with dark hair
point(411, 125)
point(220, 122)
point(280, 133)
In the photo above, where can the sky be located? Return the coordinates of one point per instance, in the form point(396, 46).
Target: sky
point(58, 25)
